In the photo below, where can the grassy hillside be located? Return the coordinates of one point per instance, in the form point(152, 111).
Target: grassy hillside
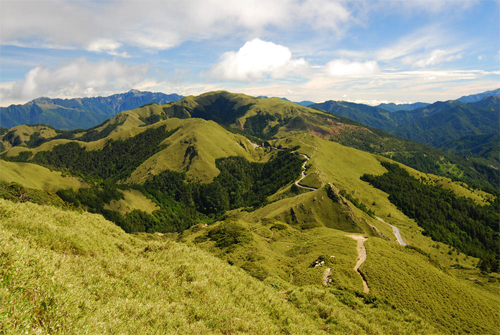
point(37, 177)
point(410, 280)
point(26, 136)
point(66, 272)
point(453, 126)
point(190, 146)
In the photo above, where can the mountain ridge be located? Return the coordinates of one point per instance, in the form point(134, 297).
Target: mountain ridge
point(78, 113)
point(455, 119)
point(392, 107)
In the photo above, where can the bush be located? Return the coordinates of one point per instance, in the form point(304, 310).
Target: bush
point(229, 234)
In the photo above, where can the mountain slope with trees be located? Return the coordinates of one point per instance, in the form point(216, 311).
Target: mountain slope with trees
point(441, 124)
point(392, 107)
point(78, 113)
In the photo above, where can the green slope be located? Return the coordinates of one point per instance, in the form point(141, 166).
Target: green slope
point(66, 272)
point(483, 146)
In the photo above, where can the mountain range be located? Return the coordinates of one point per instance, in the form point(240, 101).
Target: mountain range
point(449, 122)
point(392, 107)
point(77, 113)
point(295, 219)
point(479, 96)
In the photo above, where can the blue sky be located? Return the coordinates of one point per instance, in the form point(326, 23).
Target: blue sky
point(362, 51)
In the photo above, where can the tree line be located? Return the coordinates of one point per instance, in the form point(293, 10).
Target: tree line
point(445, 217)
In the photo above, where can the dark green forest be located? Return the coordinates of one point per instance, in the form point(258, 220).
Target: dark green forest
point(115, 161)
point(445, 217)
point(183, 203)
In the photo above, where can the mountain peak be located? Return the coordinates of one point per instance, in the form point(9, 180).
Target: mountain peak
point(479, 96)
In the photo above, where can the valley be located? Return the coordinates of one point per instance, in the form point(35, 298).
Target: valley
point(300, 220)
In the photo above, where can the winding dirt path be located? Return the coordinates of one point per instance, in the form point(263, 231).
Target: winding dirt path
point(326, 276)
point(304, 175)
point(396, 232)
point(361, 258)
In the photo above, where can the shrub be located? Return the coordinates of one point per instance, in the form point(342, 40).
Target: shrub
point(229, 234)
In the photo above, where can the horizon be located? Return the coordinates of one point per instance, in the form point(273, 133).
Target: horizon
point(367, 52)
point(379, 102)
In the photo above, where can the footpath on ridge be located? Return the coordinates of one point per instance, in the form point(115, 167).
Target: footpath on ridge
point(361, 258)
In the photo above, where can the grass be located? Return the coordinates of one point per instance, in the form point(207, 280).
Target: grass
point(37, 177)
point(207, 140)
point(407, 279)
point(311, 180)
point(66, 272)
point(133, 199)
point(24, 133)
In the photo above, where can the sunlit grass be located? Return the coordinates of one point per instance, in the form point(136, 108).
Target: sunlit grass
point(67, 272)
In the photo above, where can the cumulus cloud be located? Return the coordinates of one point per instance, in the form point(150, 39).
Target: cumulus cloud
point(258, 59)
point(76, 78)
point(345, 68)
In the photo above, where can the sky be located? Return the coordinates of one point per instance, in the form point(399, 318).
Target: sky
point(365, 51)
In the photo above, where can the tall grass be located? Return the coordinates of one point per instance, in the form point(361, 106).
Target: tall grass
point(64, 272)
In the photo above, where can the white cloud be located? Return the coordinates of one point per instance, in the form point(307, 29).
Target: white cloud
point(428, 37)
point(78, 77)
point(104, 26)
point(108, 46)
point(436, 57)
point(258, 59)
point(345, 68)
point(324, 14)
point(103, 44)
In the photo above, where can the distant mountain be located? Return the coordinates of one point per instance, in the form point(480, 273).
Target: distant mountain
point(392, 107)
point(305, 103)
point(439, 124)
point(448, 121)
point(479, 96)
point(371, 116)
point(78, 112)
